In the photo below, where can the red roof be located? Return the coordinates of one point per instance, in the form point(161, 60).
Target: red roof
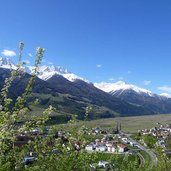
point(122, 146)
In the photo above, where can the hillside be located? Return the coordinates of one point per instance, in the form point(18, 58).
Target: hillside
point(72, 97)
point(71, 94)
point(137, 96)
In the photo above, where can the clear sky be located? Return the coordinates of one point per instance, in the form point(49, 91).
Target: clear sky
point(100, 40)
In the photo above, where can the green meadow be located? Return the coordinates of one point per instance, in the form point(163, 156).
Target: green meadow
point(131, 124)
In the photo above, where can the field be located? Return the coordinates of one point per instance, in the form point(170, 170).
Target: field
point(131, 124)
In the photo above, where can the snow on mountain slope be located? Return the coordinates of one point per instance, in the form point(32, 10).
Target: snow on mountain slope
point(44, 72)
point(137, 96)
point(7, 63)
point(120, 85)
point(165, 95)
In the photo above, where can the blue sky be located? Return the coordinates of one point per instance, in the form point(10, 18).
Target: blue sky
point(99, 40)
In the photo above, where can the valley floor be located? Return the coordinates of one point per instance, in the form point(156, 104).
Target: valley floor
point(131, 124)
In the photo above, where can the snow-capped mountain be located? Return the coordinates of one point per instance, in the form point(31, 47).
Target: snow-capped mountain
point(71, 97)
point(137, 96)
point(116, 89)
point(44, 72)
point(121, 86)
point(7, 63)
point(166, 95)
point(130, 98)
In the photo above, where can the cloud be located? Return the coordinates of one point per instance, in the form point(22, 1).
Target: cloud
point(98, 66)
point(147, 82)
point(165, 88)
point(8, 53)
point(111, 79)
point(30, 55)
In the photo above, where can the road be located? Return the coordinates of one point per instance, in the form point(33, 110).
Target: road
point(141, 159)
point(152, 155)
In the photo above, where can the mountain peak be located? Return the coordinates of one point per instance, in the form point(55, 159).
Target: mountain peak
point(165, 95)
point(121, 85)
point(46, 72)
point(53, 68)
point(6, 63)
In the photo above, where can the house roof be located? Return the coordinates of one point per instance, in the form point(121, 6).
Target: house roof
point(121, 146)
point(103, 162)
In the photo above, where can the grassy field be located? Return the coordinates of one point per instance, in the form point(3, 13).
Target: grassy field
point(128, 124)
point(131, 124)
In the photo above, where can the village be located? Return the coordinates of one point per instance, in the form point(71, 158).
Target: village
point(110, 142)
point(107, 144)
point(161, 134)
point(121, 143)
point(113, 142)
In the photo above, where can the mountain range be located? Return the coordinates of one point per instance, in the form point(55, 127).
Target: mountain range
point(138, 96)
point(71, 94)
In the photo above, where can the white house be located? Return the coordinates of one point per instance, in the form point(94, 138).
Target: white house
point(111, 148)
point(90, 147)
point(101, 148)
point(122, 148)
